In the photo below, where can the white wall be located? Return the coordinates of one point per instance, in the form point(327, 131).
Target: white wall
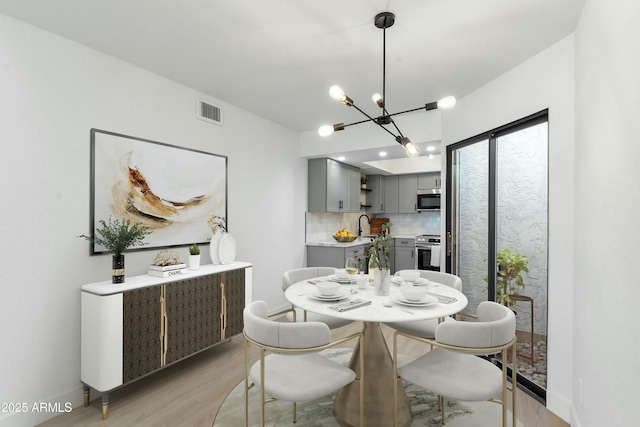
point(607, 196)
point(544, 81)
point(52, 91)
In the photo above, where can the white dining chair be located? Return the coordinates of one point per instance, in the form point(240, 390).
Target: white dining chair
point(427, 328)
point(296, 314)
point(293, 371)
point(454, 368)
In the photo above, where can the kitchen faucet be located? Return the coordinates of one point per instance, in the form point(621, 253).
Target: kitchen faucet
point(360, 228)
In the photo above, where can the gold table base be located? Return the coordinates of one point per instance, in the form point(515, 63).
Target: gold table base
point(378, 386)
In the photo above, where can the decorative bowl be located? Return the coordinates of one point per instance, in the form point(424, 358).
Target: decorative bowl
point(341, 273)
point(413, 293)
point(410, 275)
point(328, 289)
point(344, 239)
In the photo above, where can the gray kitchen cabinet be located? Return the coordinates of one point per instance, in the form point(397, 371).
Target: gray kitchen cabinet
point(407, 191)
point(333, 256)
point(404, 254)
point(354, 190)
point(429, 181)
point(333, 186)
point(396, 195)
point(376, 197)
point(391, 194)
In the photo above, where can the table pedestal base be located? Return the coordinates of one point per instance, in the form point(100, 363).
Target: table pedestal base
point(378, 388)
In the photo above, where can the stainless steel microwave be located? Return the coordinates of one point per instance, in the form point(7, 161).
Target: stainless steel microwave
point(428, 202)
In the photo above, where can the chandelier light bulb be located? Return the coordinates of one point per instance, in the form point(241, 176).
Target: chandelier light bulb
point(325, 130)
point(377, 98)
point(412, 150)
point(336, 93)
point(446, 102)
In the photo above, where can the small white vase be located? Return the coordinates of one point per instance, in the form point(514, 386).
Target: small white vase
point(194, 262)
point(227, 249)
point(381, 282)
point(213, 247)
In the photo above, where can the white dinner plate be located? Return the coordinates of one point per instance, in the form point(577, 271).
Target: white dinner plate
point(426, 300)
point(334, 278)
point(397, 280)
point(342, 294)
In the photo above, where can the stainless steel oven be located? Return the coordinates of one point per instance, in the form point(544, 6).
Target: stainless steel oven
point(428, 252)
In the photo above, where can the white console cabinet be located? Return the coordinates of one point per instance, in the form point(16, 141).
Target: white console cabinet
point(135, 328)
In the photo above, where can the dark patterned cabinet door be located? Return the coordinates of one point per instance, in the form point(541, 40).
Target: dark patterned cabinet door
point(234, 282)
point(193, 308)
point(141, 332)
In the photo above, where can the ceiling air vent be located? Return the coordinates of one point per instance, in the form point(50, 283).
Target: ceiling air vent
point(209, 113)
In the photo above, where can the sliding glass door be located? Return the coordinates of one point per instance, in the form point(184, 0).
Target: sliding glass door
point(497, 230)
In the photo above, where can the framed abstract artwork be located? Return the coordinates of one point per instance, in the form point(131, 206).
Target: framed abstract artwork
point(169, 189)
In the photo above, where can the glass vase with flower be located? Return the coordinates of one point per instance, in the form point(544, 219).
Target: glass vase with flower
point(379, 261)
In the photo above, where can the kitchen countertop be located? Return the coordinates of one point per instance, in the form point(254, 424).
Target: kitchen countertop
point(362, 240)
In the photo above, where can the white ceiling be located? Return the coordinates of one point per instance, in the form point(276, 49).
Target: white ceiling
point(278, 58)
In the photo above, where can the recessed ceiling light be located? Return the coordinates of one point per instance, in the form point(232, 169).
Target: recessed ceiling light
point(382, 153)
point(341, 158)
point(431, 148)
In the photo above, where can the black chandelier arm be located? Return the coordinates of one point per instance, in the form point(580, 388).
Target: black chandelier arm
point(371, 119)
point(395, 126)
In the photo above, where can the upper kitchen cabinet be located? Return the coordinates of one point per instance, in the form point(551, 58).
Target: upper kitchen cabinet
point(376, 197)
point(429, 181)
point(333, 186)
point(407, 191)
point(391, 195)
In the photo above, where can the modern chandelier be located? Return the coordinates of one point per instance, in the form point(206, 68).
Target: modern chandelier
point(383, 20)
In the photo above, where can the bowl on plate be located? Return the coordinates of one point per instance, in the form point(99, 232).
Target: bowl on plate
point(341, 273)
point(328, 289)
point(410, 275)
point(413, 293)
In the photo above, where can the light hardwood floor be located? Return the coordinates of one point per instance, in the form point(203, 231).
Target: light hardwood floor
point(190, 393)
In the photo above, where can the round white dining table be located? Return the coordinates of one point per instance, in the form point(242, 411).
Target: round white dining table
point(378, 369)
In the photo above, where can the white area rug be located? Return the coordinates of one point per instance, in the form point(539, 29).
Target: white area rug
point(319, 413)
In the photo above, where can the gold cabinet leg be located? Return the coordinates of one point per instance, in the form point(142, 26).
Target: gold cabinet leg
point(86, 395)
point(105, 406)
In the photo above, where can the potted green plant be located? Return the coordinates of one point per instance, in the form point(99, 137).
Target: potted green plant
point(117, 236)
point(379, 261)
point(194, 257)
point(509, 279)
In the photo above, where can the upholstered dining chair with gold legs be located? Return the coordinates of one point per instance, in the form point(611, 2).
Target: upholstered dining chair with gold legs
point(427, 328)
point(453, 368)
point(292, 371)
point(295, 314)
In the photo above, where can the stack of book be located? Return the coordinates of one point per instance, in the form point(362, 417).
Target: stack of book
point(167, 270)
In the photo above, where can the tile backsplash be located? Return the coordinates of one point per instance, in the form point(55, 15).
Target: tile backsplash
point(320, 226)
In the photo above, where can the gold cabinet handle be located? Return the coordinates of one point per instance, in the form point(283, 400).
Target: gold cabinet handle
point(223, 312)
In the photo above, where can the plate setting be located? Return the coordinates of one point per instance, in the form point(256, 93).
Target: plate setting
point(420, 282)
point(348, 281)
point(424, 301)
point(342, 294)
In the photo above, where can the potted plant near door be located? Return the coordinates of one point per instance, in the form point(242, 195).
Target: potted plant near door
point(194, 257)
point(509, 281)
point(379, 263)
point(117, 236)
